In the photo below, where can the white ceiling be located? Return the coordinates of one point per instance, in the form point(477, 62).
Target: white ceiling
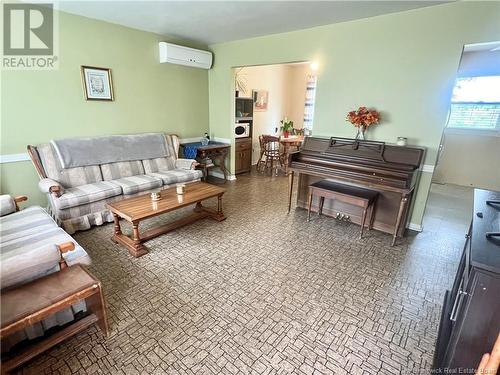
point(211, 22)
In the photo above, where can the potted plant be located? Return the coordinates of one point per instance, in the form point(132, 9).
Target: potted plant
point(286, 127)
point(362, 119)
point(240, 82)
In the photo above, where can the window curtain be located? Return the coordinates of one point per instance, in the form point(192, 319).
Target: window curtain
point(309, 104)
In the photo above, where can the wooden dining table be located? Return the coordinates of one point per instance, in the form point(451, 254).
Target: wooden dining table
point(289, 143)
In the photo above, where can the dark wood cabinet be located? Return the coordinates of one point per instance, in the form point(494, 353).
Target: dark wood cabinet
point(243, 155)
point(470, 319)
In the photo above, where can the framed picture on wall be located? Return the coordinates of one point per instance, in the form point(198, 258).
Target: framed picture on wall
point(260, 100)
point(97, 83)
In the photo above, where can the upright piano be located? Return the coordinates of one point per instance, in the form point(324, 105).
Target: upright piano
point(391, 170)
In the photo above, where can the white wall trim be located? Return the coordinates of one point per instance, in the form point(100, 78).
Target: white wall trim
point(428, 168)
point(415, 227)
point(219, 174)
point(189, 140)
point(198, 139)
point(14, 158)
point(222, 140)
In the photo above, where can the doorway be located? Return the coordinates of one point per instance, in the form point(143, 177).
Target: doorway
point(271, 100)
point(470, 145)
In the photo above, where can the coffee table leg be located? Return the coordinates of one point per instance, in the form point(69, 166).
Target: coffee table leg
point(116, 219)
point(133, 244)
point(118, 230)
point(210, 212)
point(219, 204)
point(220, 215)
point(135, 235)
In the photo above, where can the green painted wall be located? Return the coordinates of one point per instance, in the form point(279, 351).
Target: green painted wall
point(404, 64)
point(38, 106)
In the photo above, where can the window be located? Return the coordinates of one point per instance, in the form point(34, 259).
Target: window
point(309, 104)
point(475, 103)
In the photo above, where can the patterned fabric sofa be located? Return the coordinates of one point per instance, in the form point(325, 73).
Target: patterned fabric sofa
point(78, 195)
point(32, 245)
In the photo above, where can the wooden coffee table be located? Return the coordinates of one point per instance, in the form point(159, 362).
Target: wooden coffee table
point(141, 207)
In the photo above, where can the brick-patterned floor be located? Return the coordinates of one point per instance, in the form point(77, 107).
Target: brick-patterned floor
point(263, 292)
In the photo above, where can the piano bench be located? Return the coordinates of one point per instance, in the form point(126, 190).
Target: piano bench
point(354, 195)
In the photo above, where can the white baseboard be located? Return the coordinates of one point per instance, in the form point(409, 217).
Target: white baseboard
point(14, 158)
point(415, 227)
point(219, 174)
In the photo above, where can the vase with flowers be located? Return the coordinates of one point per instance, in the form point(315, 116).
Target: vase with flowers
point(362, 119)
point(286, 127)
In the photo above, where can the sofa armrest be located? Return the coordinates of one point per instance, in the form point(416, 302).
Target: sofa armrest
point(185, 164)
point(48, 185)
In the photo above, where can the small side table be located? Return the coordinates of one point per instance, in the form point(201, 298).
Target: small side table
point(215, 151)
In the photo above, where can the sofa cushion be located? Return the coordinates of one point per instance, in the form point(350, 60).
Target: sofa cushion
point(19, 267)
point(7, 205)
point(155, 165)
point(70, 177)
point(176, 176)
point(83, 194)
point(185, 163)
point(136, 184)
point(114, 171)
point(31, 220)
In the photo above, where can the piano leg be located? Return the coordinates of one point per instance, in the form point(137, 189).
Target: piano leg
point(371, 216)
point(363, 219)
point(290, 190)
point(309, 205)
point(402, 206)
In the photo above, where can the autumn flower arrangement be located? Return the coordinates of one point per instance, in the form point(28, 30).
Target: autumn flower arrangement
point(362, 119)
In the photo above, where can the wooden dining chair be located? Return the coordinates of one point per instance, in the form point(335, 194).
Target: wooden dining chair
point(270, 154)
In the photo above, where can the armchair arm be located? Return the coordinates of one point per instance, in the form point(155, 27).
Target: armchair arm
point(19, 199)
point(185, 163)
point(64, 248)
point(48, 185)
point(7, 205)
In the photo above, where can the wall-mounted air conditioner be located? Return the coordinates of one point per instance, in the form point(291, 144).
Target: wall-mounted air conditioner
point(174, 54)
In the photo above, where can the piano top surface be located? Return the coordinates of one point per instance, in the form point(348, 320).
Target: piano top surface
point(369, 153)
